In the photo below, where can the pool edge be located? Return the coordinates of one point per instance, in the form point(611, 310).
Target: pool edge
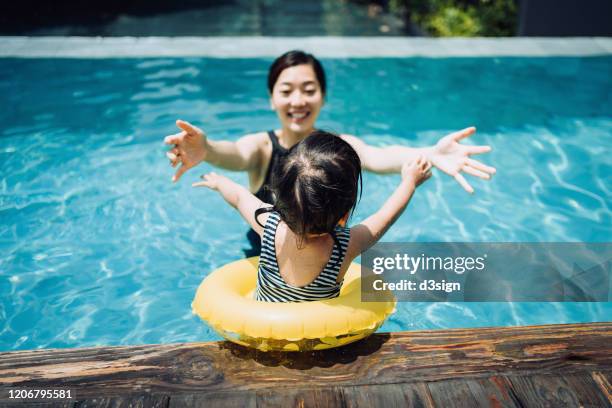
point(323, 47)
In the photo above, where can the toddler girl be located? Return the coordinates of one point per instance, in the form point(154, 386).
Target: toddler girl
point(306, 247)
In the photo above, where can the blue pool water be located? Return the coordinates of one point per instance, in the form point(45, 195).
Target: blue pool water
point(98, 247)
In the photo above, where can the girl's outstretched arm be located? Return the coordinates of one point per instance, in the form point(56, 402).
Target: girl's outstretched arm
point(448, 155)
point(368, 232)
point(237, 196)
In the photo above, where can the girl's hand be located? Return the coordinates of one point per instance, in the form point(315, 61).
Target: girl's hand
point(190, 148)
point(417, 171)
point(211, 180)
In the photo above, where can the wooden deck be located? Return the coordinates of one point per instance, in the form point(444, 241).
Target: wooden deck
point(554, 366)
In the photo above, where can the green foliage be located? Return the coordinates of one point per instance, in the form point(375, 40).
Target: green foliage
point(453, 21)
point(460, 17)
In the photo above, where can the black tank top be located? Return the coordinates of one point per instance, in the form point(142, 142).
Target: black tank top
point(278, 155)
point(265, 192)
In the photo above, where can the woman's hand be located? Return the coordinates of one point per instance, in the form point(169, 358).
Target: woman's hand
point(417, 171)
point(452, 158)
point(211, 180)
point(190, 148)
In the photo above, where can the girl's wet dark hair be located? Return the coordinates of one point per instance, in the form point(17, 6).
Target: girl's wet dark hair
point(318, 184)
point(292, 59)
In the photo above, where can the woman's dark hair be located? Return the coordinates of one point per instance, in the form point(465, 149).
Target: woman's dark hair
point(292, 59)
point(318, 184)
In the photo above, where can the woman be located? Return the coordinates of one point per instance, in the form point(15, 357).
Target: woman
point(297, 86)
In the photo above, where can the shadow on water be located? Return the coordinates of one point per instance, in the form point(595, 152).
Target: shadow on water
point(306, 360)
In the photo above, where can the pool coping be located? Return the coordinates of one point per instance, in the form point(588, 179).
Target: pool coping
point(324, 47)
point(562, 364)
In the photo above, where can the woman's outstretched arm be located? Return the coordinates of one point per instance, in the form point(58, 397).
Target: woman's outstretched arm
point(448, 155)
point(192, 146)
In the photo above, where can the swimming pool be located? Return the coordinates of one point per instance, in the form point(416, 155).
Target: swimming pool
point(98, 247)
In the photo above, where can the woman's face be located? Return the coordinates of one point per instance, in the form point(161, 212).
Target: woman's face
point(297, 98)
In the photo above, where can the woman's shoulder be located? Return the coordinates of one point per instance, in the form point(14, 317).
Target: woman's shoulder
point(347, 136)
point(354, 141)
point(259, 140)
point(361, 147)
point(257, 144)
point(259, 137)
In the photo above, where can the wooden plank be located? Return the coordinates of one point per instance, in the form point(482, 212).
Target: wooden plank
point(381, 359)
point(135, 401)
point(484, 392)
point(300, 397)
point(228, 399)
point(603, 381)
point(575, 390)
point(128, 401)
point(37, 404)
point(389, 395)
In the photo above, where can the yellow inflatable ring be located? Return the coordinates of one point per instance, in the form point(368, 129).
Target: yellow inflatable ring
point(225, 300)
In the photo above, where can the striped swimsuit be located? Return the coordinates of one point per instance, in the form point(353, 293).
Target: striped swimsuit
point(272, 288)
